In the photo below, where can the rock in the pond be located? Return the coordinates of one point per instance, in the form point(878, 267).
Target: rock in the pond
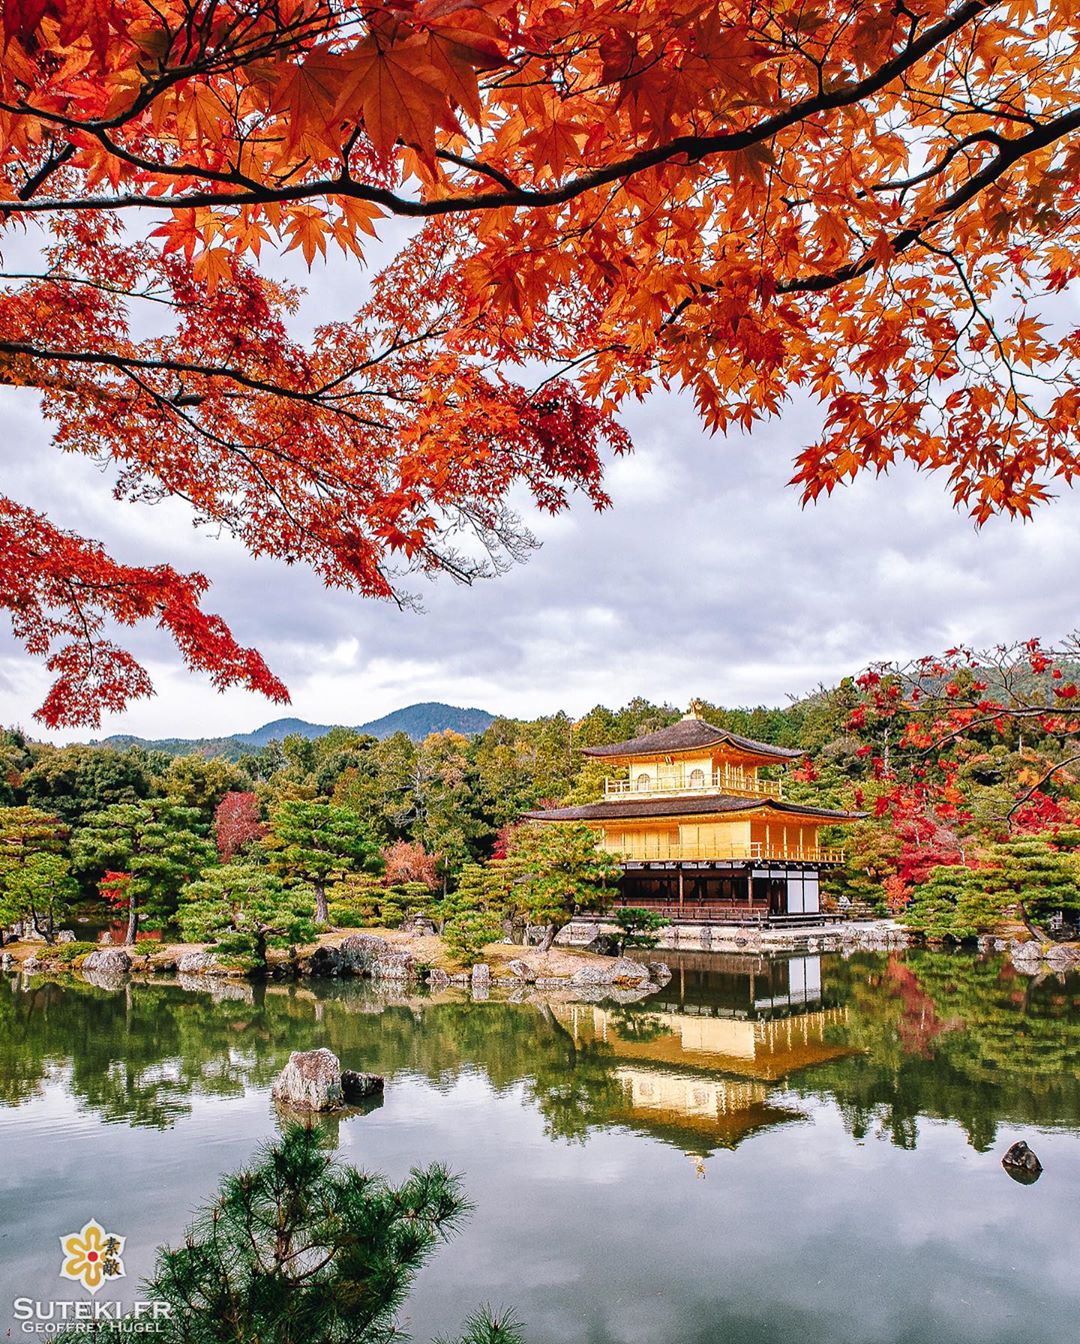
point(627, 972)
point(659, 971)
point(358, 1086)
point(311, 1081)
point(1062, 957)
point(194, 963)
point(110, 960)
point(521, 970)
point(1026, 957)
point(437, 978)
point(1022, 1164)
point(7, 961)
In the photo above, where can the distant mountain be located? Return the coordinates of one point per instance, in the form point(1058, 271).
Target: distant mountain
point(415, 720)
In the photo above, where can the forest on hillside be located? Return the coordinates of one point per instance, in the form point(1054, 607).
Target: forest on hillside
point(965, 768)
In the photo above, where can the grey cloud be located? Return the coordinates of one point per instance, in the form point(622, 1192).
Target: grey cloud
point(705, 578)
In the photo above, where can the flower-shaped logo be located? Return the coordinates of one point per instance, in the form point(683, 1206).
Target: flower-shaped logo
point(92, 1257)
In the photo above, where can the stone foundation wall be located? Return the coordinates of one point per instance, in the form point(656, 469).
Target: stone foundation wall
point(872, 935)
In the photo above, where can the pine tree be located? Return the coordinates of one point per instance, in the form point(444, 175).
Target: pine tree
point(157, 844)
point(244, 910)
point(474, 911)
point(1041, 879)
point(301, 1249)
point(946, 905)
point(318, 843)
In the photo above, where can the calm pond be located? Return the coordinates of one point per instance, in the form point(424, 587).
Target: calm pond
point(788, 1151)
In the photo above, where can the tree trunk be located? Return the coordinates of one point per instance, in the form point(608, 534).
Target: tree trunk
point(133, 922)
point(1025, 919)
point(322, 909)
point(549, 937)
point(44, 926)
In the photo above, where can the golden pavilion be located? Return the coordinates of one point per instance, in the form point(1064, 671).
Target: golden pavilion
point(701, 834)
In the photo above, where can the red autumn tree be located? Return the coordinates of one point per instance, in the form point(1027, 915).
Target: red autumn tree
point(237, 824)
point(740, 200)
point(409, 862)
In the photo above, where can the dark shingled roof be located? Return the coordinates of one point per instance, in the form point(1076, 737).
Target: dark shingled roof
point(686, 735)
point(628, 809)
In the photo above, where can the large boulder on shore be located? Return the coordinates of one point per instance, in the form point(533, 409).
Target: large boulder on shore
point(196, 963)
point(311, 1081)
point(360, 951)
point(109, 960)
point(622, 971)
point(393, 965)
point(437, 979)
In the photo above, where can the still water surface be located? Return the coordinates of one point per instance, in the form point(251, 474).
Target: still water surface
point(794, 1151)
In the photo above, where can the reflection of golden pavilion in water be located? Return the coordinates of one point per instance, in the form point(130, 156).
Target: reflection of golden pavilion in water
point(700, 1075)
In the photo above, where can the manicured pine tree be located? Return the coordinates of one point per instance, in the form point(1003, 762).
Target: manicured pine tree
point(474, 911)
point(36, 884)
point(1041, 878)
point(558, 871)
point(947, 904)
point(244, 910)
point(158, 844)
point(318, 843)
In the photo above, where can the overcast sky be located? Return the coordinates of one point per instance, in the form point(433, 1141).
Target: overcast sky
point(706, 578)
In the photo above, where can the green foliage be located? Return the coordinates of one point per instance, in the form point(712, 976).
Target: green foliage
point(473, 913)
point(558, 871)
point(159, 844)
point(362, 901)
point(1039, 877)
point(196, 782)
point(75, 782)
point(69, 952)
point(301, 1249)
point(638, 927)
point(954, 902)
point(36, 882)
point(244, 910)
point(317, 843)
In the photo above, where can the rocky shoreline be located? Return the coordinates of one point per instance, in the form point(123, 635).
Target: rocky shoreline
point(582, 968)
point(386, 963)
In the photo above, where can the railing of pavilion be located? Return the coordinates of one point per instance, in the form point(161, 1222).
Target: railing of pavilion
point(646, 848)
point(726, 779)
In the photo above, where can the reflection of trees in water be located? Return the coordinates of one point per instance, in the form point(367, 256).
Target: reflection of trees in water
point(939, 1035)
point(952, 1036)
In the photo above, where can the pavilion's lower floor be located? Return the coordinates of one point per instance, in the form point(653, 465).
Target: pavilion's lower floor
point(724, 893)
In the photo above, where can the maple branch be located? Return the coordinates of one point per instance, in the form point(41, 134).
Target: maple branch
point(694, 146)
point(1048, 775)
point(125, 363)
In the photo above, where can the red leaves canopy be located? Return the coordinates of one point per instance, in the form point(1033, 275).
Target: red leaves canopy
point(864, 201)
